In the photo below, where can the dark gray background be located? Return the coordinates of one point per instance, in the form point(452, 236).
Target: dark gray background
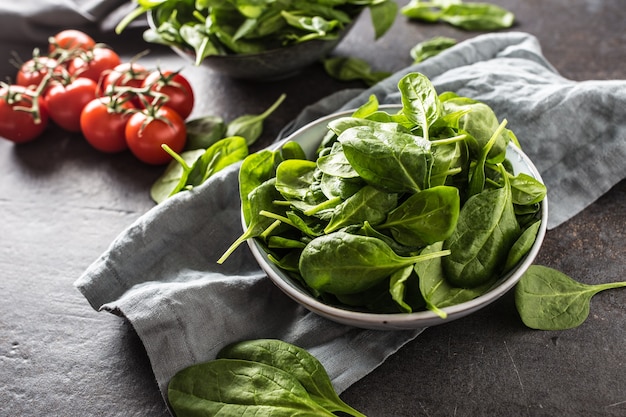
point(62, 203)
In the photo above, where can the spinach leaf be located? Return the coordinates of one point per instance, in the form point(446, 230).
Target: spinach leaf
point(218, 156)
point(547, 299)
point(486, 230)
point(420, 102)
point(343, 263)
point(294, 178)
point(353, 69)
point(250, 126)
point(468, 16)
point(255, 169)
point(206, 163)
point(175, 175)
point(204, 132)
point(522, 245)
point(233, 387)
point(297, 362)
point(396, 162)
point(430, 48)
point(260, 199)
point(368, 204)
point(477, 16)
point(526, 190)
point(383, 14)
point(397, 287)
point(425, 217)
point(436, 290)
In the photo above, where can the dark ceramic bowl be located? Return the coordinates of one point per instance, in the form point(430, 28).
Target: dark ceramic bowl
point(274, 64)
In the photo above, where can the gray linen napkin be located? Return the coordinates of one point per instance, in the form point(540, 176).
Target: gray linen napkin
point(161, 272)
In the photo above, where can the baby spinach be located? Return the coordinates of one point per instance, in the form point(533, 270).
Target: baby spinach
point(420, 103)
point(232, 387)
point(343, 263)
point(547, 299)
point(344, 68)
point(367, 204)
point(297, 362)
point(250, 126)
point(396, 162)
point(435, 288)
point(468, 16)
point(250, 26)
point(485, 232)
point(430, 47)
point(356, 226)
point(257, 377)
point(204, 164)
point(426, 217)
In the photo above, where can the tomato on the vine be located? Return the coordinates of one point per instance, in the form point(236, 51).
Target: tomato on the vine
point(20, 121)
point(33, 71)
point(147, 130)
point(126, 74)
point(71, 39)
point(103, 123)
point(66, 102)
point(176, 89)
point(94, 63)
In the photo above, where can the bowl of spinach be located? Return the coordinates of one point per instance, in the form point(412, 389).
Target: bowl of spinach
point(252, 39)
point(395, 217)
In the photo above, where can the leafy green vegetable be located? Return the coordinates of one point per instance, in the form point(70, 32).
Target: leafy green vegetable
point(232, 387)
point(486, 231)
point(206, 163)
point(297, 362)
point(250, 126)
point(342, 263)
point(250, 26)
point(430, 48)
point(353, 69)
point(415, 209)
point(468, 16)
point(547, 299)
point(204, 132)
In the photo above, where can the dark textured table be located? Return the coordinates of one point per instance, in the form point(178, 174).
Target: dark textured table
point(62, 203)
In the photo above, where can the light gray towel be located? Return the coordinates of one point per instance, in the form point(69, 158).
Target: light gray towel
point(161, 272)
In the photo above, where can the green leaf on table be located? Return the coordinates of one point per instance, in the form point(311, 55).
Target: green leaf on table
point(430, 48)
point(353, 69)
point(547, 299)
point(295, 361)
point(233, 387)
point(204, 132)
point(250, 126)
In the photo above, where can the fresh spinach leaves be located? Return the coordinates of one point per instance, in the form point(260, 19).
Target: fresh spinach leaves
point(357, 225)
point(467, 16)
point(265, 376)
point(547, 299)
point(251, 26)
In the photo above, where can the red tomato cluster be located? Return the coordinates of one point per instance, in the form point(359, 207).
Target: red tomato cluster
point(83, 86)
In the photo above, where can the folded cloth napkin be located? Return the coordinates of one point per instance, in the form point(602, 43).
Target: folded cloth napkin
point(161, 273)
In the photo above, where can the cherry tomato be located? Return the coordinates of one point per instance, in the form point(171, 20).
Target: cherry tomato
point(127, 74)
point(71, 39)
point(94, 64)
point(103, 123)
point(177, 89)
point(146, 132)
point(66, 102)
point(17, 125)
point(33, 71)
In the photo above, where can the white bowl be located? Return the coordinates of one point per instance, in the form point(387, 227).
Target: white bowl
point(309, 137)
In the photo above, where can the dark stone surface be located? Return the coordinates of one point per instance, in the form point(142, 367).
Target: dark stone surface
point(62, 203)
